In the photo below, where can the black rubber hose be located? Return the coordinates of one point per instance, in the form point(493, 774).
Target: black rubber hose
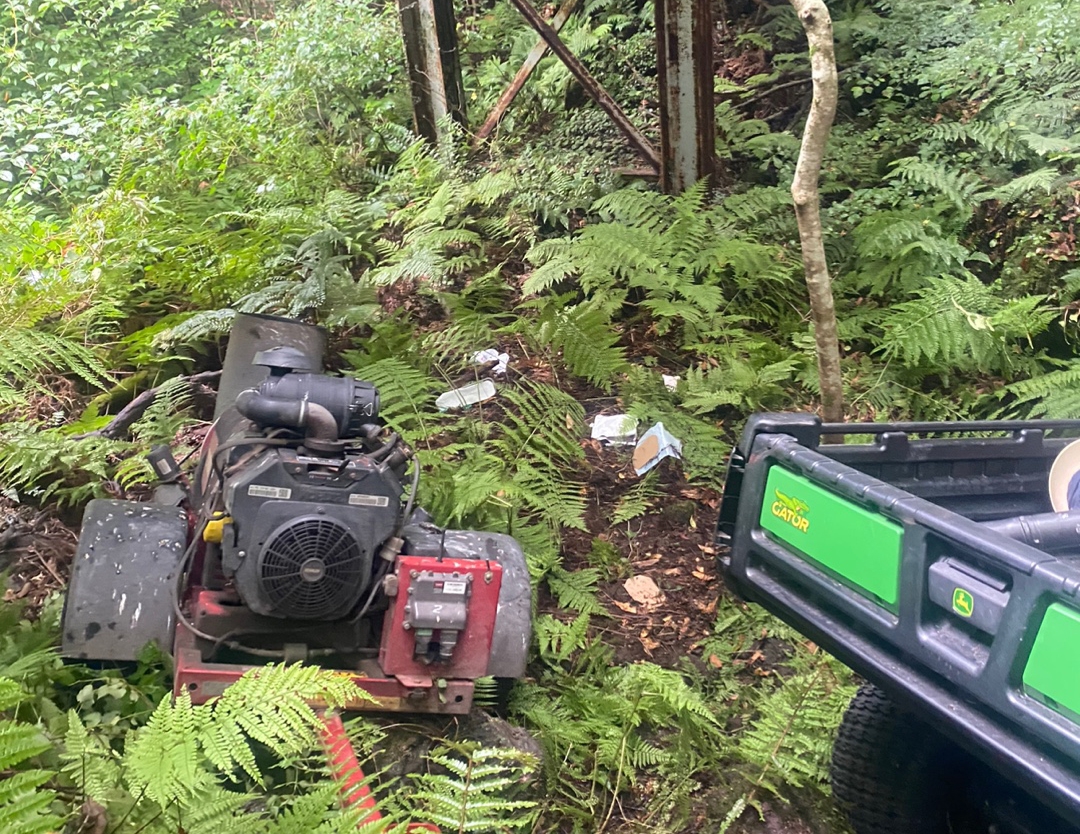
point(266, 411)
point(316, 420)
point(1047, 531)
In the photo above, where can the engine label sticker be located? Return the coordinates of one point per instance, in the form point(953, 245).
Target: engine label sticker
point(260, 491)
point(361, 500)
point(453, 587)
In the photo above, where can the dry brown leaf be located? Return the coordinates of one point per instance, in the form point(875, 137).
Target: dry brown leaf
point(706, 607)
point(704, 577)
point(625, 606)
point(715, 661)
point(673, 572)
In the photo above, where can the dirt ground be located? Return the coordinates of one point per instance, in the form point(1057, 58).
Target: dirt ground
point(35, 550)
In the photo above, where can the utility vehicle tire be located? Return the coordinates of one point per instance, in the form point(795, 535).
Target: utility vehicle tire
point(891, 773)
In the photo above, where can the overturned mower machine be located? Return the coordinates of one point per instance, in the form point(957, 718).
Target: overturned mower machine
point(298, 538)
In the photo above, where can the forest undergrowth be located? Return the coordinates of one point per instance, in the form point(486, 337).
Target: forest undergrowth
point(164, 166)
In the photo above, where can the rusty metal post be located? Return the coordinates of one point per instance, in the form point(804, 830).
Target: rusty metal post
point(591, 85)
point(684, 66)
point(446, 32)
point(534, 58)
point(429, 30)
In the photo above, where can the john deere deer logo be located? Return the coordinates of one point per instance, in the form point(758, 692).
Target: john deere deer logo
point(791, 510)
point(963, 602)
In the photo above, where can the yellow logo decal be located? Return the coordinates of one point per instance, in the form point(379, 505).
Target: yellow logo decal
point(963, 603)
point(792, 510)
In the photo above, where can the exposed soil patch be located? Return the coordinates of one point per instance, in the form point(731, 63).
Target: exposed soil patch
point(35, 549)
point(670, 544)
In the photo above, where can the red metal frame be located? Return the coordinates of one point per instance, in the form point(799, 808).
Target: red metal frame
point(473, 649)
point(411, 686)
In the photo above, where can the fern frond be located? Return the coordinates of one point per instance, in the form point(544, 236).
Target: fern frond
point(27, 354)
point(558, 641)
point(24, 805)
point(1000, 139)
point(576, 589)
point(89, 761)
point(406, 394)
point(162, 760)
point(543, 427)
point(198, 327)
point(1044, 180)
point(638, 500)
point(587, 340)
point(962, 324)
point(1054, 395)
point(471, 793)
point(218, 810)
point(791, 740)
point(964, 190)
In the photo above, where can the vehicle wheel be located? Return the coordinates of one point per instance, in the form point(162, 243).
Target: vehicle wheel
point(891, 773)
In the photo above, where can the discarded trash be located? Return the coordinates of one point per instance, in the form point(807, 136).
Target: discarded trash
point(670, 382)
point(615, 429)
point(466, 395)
point(655, 445)
point(492, 355)
point(644, 592)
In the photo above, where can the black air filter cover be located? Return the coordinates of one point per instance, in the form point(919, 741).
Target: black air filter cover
point(312, 567)
point(310, 522)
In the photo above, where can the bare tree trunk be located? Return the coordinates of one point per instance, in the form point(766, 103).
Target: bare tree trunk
point(804, 191)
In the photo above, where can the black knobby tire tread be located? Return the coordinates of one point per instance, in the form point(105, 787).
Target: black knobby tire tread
point(890, 772)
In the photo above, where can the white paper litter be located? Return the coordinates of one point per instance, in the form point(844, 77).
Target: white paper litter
point(615, 429)
point(466, 395)
point(655, 445)
point(492, 355)
point(670, 382)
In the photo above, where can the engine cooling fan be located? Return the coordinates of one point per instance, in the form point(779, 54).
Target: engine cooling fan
point(312, 567)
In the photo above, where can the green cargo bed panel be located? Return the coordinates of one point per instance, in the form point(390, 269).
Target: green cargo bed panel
point(1053, 668)
point(860, 547)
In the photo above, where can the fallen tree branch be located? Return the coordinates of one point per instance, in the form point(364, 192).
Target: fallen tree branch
point(130, 413)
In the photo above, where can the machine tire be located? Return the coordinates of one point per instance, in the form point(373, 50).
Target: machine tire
point(891, 773)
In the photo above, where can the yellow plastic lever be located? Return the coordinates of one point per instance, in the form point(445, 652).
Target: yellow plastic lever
point(215, 529)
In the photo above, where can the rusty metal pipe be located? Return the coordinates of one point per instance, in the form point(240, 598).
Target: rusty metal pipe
point(591, 85)
point(535, 56)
